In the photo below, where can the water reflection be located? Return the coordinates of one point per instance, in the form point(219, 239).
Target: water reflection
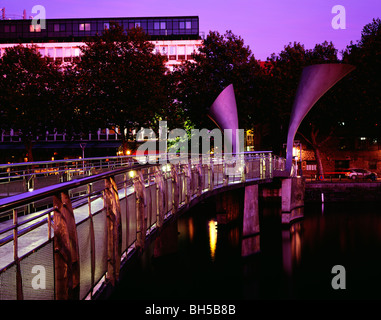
point(291, 247)
point(293, 262)
point(212, 238)
point(191, 229)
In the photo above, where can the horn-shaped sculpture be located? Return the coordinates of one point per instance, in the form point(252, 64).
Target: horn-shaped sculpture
point(223, 113)
point(315, 81)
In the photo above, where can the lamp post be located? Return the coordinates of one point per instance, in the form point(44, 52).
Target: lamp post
point(297, 144)
point(83, 146)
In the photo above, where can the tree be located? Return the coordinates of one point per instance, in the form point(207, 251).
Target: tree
point(222, 60)
point(27, 91)
point(363, 96)
point(122, 80)
point(324, 118)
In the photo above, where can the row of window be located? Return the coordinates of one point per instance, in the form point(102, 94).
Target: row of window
point(61, 27)
point(173, 50)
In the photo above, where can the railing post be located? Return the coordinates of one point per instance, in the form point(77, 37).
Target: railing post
point(92, 237)
point(19, 292)
point(66, 253)
point(188, 182)
point(141, 219)
point(114, 230)
point(211, 176)
point(175, 189)
point(200, 178)
point(225, 176)
point(160, 196)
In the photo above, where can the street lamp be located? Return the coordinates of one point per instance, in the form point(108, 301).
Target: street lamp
point(297, 147)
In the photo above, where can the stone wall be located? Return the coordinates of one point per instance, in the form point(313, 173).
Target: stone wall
point(343, 192)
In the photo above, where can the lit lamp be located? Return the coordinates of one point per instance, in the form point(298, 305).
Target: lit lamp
point(298, 157)
point(295, 153)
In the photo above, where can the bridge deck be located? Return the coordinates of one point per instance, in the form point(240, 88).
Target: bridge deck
point(29, 241)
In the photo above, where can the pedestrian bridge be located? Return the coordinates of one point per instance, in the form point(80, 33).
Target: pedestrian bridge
point(69, 239)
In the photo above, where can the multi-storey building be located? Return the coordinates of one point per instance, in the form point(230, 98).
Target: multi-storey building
point(60, 40)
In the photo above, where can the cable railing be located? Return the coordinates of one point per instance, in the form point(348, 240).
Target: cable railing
point(82, 230)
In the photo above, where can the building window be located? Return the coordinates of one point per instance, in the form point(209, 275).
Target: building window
point(84, 27)
point(76, 52)
point(59, 52)
point(137, 24)
point(35, 28)
point(181, 52)
point(159, 25)
point(311, 167)
point(106, 26)
point(59, 27)
point(51, 52)
point(185, 25)
point(10, 28)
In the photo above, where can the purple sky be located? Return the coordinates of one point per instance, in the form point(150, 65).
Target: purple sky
point(265, 25)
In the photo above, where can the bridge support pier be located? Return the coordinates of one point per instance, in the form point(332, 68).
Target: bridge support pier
point(250, 231)
point(292, 199)
point(250, 211)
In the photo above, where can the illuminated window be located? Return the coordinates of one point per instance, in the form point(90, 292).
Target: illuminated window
point(59, 52)
point(84, 27)
point(106, 26)
point(35, 28)
point(51, 52)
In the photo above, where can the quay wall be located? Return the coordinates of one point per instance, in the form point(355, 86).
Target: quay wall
point(342, 191)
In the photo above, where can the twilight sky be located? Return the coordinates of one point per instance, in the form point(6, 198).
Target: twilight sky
point(265, 25)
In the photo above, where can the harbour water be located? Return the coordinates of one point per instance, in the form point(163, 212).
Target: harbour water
point(196, 257)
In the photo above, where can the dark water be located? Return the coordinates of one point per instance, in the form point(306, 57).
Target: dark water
point(197, 258)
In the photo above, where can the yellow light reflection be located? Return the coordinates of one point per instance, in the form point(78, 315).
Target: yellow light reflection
point(213, 238)
point(191, 229)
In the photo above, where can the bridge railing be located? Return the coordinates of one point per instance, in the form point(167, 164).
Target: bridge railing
point(84, 229)
point(16, 178)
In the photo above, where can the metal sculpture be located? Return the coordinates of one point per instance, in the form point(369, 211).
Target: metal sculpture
point(315, 81)
point(223, 113)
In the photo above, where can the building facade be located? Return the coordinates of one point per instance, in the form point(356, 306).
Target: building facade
point(178, 38)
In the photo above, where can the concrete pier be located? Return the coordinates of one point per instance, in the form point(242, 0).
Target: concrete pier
point(292, 199)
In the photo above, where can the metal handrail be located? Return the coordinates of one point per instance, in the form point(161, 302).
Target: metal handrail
point(11, 202)
point(121, 177)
